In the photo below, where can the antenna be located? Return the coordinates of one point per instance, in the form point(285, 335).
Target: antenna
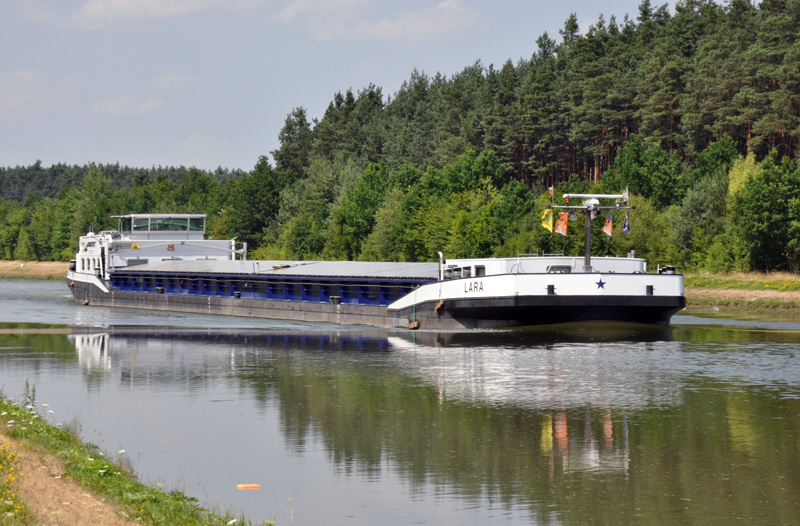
point(591, 207)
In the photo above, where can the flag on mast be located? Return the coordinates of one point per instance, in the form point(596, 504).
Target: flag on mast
point(625, 195)
point(547, 219)
point(561, 225)
point(625, 226)
point(609, 227)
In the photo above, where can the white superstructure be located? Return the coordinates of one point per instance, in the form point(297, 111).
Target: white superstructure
point(149, 238)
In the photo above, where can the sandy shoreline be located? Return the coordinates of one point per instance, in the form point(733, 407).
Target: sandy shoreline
point(33, 269)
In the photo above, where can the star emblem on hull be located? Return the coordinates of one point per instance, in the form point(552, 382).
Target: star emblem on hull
point(601, 284)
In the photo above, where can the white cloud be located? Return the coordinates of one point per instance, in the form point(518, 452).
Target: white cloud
point(35, 11)
point(16, 88)
point(127, 106)
point(200, 142)
point(172, 80)
point(26, 91)
point(315, 8)
point(28, 77)
point(98, 14)
point(340, 20)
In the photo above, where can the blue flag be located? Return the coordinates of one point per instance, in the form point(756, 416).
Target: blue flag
point(625, 226)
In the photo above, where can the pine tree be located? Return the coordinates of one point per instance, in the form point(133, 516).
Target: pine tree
point(774, 60)
point(296, 138)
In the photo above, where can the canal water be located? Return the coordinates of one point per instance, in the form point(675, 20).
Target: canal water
point(697, 423)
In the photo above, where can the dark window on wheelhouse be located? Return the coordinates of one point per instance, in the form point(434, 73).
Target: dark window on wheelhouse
point(197, 224)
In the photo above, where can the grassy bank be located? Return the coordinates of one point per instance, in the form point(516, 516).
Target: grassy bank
point(739, 301)
point(752, 291)
point(33, 269)
point(781, 281)
point(107, 487)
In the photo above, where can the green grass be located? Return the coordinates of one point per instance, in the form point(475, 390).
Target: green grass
point(756, 304)
point(90, 468)
point(727, 282)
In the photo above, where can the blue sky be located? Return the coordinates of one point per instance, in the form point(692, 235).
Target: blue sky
point(209, 83)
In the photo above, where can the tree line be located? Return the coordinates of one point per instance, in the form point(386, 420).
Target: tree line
point(18, 182)
point(696, 113)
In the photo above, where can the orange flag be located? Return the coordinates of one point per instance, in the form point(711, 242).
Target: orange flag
point(609, 227)
point(561, 225)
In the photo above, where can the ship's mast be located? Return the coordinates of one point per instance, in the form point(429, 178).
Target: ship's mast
point(591, 207)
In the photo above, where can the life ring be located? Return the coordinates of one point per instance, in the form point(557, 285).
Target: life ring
point(135, 246)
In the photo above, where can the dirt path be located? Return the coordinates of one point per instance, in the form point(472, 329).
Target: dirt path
point(57, 500)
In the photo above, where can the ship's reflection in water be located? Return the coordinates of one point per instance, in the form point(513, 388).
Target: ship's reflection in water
point(572, 425)
point(555, 373)
point(573, 395)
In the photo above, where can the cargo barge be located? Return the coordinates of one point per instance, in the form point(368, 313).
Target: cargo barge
point(163, 262)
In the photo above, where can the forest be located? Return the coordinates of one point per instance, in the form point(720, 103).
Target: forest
point(696, 113)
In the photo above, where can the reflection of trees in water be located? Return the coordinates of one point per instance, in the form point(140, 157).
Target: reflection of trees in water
point(573, 431)
point(40, 351)
point(664, 450)
point(467, 449)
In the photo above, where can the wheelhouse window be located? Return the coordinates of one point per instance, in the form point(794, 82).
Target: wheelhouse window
point(197, 224)
point(141, 224)
point(179, 224)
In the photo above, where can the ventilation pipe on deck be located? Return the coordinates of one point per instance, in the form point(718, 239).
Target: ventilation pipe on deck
point(441, 265)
